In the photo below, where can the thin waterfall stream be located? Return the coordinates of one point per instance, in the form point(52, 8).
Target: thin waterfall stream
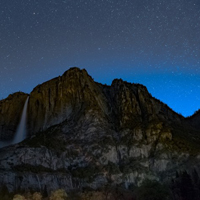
point(21, 130)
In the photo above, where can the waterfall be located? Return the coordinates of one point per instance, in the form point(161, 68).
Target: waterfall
point(4, 144)
point(21, 130)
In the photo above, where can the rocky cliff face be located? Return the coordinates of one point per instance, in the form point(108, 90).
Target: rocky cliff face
point(194, 120)
point(75, 92)
point(85, 134)
point(63, 98)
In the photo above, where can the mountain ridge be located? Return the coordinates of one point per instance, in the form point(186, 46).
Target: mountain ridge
point(116, 79)
point(85, 134)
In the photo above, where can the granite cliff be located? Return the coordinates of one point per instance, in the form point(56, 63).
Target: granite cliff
point(83, 134)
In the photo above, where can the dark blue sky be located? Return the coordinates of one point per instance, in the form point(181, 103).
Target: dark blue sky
point(152, 42)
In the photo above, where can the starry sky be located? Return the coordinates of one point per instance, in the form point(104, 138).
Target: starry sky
point(152, 42)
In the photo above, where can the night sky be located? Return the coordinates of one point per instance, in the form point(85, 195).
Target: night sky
point(152, 42)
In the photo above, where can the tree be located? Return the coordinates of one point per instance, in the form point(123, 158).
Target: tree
point(18, 197)
point(37, 196)
point(58, 195)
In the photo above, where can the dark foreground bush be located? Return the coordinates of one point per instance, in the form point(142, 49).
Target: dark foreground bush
point(152, 190)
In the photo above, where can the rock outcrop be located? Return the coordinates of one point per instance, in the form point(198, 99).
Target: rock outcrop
point(85, 134)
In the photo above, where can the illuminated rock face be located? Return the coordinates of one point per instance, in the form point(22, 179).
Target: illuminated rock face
point(62, 98)
point(85, 134)
point(75, 92)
